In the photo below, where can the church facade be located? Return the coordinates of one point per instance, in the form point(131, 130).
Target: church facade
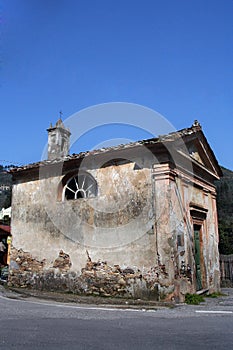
point(136, 220)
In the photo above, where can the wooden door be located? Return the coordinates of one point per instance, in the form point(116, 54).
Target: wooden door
point(197, 256)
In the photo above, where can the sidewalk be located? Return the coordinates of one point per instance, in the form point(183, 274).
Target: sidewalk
point(20, 293)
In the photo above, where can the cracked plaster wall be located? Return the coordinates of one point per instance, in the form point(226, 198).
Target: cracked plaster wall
point(133, 222)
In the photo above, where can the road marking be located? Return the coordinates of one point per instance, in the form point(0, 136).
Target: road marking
point(213, 312)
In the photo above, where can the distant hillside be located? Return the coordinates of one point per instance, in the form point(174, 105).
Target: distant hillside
point(225, 211)
point(5, 187)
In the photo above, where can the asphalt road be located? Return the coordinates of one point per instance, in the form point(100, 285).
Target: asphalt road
point(38, 324)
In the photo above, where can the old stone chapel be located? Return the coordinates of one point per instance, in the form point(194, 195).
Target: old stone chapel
point(134, 220)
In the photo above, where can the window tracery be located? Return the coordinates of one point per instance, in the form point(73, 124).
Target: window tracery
point(80, 186)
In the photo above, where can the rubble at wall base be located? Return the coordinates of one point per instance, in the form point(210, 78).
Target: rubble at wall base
point(96, 278)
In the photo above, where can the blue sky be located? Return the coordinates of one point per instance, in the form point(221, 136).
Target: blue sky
point(175, 57)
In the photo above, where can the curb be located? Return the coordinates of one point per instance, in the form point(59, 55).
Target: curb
point(19, 293)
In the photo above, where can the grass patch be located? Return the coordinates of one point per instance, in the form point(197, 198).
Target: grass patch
point(215, 295)
point(193, 299)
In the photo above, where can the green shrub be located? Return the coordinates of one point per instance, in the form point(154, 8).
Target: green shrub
point(193, 299)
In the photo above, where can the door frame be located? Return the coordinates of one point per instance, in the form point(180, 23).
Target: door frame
point(198, 215)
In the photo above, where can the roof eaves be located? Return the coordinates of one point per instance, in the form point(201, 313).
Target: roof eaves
point(161, 138)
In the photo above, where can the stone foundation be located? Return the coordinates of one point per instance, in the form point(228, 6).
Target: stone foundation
point(96, 278)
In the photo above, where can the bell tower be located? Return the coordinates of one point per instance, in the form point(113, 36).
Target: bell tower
point(58, 140)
